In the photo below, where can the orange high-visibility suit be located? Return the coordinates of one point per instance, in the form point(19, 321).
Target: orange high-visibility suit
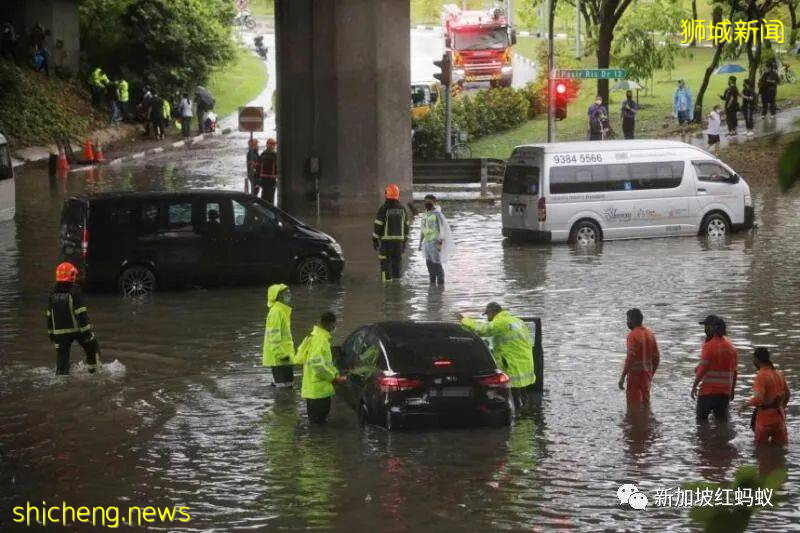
point(770, 394)
point(640, 365)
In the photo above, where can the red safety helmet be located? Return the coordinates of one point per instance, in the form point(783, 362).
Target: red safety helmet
point(272, 142)
point(392, 192)
point(66, 272)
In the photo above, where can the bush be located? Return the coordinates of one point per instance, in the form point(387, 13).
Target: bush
point(479, 114)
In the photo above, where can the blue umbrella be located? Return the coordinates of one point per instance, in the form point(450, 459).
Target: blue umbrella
point(730, 68)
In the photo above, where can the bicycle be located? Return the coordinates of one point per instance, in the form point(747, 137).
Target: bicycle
point(459, 149)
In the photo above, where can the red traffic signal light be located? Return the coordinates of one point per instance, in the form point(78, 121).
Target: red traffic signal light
point(560, 111)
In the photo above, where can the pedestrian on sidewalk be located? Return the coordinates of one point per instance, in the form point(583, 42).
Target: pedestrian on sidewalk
point(8, 41)
point(768, 87)
point(166, 116)
point(748, 105)
point(123, 98)
point(712, 132)
point(268, 171)
point(598, 117)
point(185, 110)
point(731, 98)
point(682, 105)
point(113, 104)
point(629, 109)
point(156, 115)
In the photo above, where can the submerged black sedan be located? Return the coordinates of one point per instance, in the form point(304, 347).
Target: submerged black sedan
point(404, 374)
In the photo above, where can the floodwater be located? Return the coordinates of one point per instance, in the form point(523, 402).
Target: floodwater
point(183, 414)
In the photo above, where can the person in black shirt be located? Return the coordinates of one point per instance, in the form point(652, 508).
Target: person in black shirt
point(748, 105)
point(768, 87)
point(731, 97)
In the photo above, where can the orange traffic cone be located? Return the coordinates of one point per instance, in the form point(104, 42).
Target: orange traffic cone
point(88, 153)
point(63, 165)
point(98, 153)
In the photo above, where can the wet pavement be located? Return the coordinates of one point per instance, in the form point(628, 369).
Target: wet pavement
point(183, 413)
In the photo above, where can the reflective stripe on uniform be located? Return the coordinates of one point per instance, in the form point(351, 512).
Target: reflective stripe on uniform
point(393, 238)
point(640, 366)
point(379, 222)
point(80, 310)
point(522, 377)
point(63, 331)
point(722, 377)
point(376, 236)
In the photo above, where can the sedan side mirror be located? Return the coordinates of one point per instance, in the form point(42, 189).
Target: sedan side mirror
point(732, 179)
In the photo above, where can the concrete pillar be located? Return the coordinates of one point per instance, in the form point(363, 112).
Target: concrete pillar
point(343, 92)
point(58, 16)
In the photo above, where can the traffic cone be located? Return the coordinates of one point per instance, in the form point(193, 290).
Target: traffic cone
point(98, 153)
point(63, 165)
point(88, 153)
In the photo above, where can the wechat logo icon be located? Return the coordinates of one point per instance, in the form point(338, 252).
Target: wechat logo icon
point(629, 494)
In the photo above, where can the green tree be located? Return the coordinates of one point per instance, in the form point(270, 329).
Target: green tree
point(173, 44)
point(789, 165)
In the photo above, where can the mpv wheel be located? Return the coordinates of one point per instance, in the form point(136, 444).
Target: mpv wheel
point(312, 270)
point(715, 226)
point(137, 281)
point(586, 233)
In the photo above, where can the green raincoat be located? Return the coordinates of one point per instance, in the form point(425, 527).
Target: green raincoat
point(511, 344)
point(278, 342)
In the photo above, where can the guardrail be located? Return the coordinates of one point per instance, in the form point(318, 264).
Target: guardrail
point(455, 171)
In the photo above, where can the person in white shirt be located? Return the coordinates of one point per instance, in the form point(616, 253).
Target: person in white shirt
point(712, 132)
point(185, 109)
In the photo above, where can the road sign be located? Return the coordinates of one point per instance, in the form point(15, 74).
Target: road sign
point(251, 119)
point(591, 73)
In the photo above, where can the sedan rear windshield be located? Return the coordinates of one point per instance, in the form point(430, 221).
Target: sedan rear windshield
point(418, 355)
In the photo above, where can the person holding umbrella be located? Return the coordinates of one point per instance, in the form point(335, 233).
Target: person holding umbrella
point(731, 98)
point(629, 109)
point(205, 102)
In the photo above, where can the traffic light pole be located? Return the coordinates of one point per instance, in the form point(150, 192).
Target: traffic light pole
point(551, 134)
point(448, 122)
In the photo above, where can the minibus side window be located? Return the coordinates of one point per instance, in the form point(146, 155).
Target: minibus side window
point(6, 170)
point(658, 175)
point(708, 171)
point(520, 179)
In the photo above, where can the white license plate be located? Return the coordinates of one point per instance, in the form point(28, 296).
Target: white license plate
point(451, 392)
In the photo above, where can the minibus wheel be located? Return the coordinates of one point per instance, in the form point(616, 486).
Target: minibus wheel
point(716, 226)
point(586, 233)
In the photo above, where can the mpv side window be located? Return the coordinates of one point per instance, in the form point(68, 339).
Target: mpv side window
point(148, 217)
point(212, 214)
point(252, 216)
point(179, 217)
point(710, 171)
point(352, 349)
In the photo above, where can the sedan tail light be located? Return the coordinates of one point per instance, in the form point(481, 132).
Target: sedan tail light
point(500, 380)
point(395, 383)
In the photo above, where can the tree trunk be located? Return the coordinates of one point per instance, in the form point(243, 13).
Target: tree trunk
point(793, 16)
point(604, 38)
point(588, 22)
point(754, 61)
point(698, 105)
point(694, 17)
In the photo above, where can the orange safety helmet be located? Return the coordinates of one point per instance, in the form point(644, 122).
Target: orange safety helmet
point(66, 272)
point(392, 192)
point(272, 142)
point(253, 143)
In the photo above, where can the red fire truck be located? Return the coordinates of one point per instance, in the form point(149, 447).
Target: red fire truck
point(481, 43)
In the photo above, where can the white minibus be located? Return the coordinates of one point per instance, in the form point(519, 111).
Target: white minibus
point(586, 192)
point(7, 201)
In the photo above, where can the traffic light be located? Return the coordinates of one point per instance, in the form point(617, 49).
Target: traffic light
point(445, 65)
point(561, 100)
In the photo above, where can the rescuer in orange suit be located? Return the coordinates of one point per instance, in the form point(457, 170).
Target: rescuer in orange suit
point(770, 396)
point(641, 361)
point(717, 371)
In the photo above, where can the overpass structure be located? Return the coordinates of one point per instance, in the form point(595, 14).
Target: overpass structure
point(343, 92)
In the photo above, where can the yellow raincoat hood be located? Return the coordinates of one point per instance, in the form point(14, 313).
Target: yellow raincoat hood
point(273, 292)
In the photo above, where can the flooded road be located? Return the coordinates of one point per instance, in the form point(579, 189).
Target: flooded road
point(183, 413)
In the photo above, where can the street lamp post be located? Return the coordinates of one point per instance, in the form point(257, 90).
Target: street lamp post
point(578, 51)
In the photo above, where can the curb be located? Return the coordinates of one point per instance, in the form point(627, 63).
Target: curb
point(422, 27)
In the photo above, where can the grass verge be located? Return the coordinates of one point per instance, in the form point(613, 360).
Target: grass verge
point(35, 109)
point(655, 106)
point(758, 161)
point(238, 83)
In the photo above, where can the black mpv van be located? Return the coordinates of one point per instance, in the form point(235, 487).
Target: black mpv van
point(137, 242)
